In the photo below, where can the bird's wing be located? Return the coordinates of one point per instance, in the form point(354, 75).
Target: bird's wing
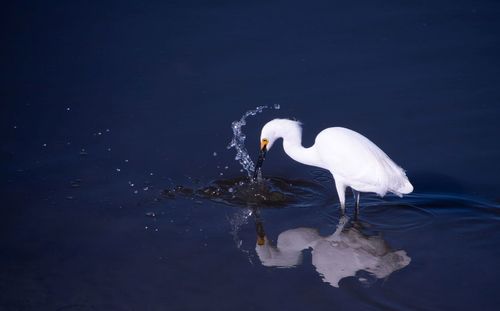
point(356, 160)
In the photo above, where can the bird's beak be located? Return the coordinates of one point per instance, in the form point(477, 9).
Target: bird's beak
point(262, 157)
point(261, 234)
point(263, 145)
point(261, 240)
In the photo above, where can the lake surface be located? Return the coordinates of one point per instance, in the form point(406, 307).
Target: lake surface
point(119, 191)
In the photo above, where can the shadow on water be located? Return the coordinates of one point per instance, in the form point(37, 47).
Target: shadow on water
point(390, 213)
point(272, 192)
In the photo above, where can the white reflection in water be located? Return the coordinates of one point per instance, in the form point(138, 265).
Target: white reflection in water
point(336, 256)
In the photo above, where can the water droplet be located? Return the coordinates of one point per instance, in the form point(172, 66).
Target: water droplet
point(44, 145)
point(75, 183)
point(145, 188)
point(68, 108)
point(136, 192)
point(126, 161)
point(215, 154)
point(118, 170)
point(276, 106)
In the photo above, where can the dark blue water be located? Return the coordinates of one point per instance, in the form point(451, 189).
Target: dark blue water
point(107, 105)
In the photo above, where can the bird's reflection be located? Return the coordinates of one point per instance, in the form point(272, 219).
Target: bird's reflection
point(336, 256)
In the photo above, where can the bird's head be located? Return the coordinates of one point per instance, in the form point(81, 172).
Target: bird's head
point(279, 128)
point(267, 137)
point(273, 130)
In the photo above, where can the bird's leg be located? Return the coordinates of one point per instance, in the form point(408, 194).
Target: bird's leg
point(356, 199)
point(341, 193)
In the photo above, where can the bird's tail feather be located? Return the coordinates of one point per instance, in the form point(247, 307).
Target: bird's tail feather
point(403, 188)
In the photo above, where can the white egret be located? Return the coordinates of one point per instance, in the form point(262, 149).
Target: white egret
point(353, 159)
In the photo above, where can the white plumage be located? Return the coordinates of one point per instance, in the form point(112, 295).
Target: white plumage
point(353, 159)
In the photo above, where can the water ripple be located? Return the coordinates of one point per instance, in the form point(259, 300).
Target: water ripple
point(271, 192)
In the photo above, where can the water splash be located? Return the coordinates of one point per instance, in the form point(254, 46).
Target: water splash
point(238, 141)
point(237, 221)
point(273, 192)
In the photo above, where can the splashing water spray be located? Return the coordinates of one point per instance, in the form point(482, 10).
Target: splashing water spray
point(242, 156)
point(238, 141)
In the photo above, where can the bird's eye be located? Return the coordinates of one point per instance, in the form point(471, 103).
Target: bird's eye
point(265, 140)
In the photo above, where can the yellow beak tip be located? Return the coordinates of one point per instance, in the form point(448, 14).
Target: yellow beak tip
point(263, 144)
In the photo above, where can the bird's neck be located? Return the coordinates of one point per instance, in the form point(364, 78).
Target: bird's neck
point(293, 147)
